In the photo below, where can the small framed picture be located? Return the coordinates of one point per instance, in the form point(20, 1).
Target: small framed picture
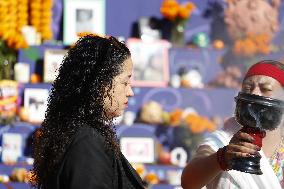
point(151, 63)
point(35, 102)
point(83, 16)
point(12, 144)
point(138, 149)
point(52, 61)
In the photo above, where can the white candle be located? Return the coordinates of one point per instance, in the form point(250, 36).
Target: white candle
point(22, 72)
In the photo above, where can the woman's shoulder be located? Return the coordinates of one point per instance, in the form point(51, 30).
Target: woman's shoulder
point(86, 138)
point(88, 141)
point(87, 133)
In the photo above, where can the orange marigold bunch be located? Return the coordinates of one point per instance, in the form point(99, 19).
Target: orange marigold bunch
point(82, 34)
point(195, 122)
point(199, 124)
point(252, 44)
point(151, 178)
point(176, 117)
point(17, 41)
point(172, 10)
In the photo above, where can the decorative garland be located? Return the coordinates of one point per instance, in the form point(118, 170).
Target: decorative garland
point(16, 14)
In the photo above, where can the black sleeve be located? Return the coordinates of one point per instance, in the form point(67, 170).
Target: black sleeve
point(87, 165)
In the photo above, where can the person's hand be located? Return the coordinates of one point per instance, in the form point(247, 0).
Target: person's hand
point(241, 145)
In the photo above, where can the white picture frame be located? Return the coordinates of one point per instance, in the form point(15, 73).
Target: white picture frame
point(83, 16)
point(138, 149)
point(150, 62)
point(12, 144)
point(35, 102)
point(52, 61)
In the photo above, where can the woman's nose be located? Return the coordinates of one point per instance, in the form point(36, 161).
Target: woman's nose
point(130, 92)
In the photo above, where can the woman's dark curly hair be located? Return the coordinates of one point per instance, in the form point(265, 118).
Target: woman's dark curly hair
point(76, 100)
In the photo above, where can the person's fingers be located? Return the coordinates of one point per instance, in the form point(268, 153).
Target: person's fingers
point(243, 149)
point(232, 153)
point(245, 137)
point(229, 156)
point(248, 145)
point(239, 155)
point(241, 136)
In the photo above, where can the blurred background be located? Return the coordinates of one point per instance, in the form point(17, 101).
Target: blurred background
point(189, 59)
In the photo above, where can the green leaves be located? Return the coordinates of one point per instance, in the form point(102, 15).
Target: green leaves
point(8, 57)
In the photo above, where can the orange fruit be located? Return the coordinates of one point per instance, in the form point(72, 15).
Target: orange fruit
point(35, 78)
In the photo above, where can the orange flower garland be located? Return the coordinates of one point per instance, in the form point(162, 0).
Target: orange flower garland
point(35, 13)
point(4, 18)
point(13, 16)
point(17, 19)
point(46, 19)
point(22, 14)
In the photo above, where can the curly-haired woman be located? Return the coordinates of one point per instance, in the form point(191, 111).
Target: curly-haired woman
point(77, 146)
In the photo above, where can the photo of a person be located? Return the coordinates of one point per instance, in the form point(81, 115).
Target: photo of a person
point(84, 20)
point(35, 101)
point(150, 65)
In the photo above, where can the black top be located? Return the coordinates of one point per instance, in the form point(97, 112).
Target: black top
point(87, 164)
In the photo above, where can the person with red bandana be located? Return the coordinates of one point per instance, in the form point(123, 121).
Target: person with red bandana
point(211, 170)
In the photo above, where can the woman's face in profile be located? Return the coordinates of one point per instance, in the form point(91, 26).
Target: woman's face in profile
point(263, 86)
point(117, 101)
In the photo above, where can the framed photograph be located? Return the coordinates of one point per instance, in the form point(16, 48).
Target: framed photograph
point(151, 62)
point(35, 102)
point(52, 61)
point(11, 147)
point(138, 149)
point(83, 16)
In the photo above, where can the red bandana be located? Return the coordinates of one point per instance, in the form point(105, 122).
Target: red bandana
point(267, 70)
